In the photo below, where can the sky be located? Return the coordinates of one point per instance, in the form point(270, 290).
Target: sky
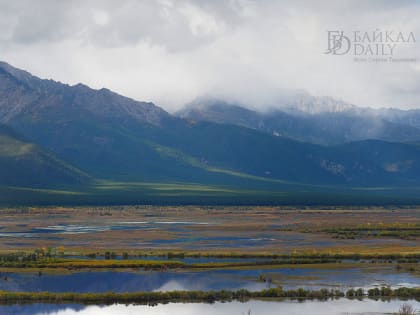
point(252, 52)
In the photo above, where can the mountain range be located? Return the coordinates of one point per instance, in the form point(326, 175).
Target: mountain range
point(317, 120)
point(54, 135)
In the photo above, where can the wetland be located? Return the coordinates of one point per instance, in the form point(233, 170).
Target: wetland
point(212, 260)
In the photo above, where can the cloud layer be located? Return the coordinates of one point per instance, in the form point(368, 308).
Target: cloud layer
point(171, 52)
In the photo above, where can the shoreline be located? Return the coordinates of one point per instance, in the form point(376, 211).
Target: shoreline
point(7, 297)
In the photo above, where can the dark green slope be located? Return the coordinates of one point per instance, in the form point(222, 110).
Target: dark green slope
point(25, 164)
point(381, 162)
point(369, 162)
point(116, 138)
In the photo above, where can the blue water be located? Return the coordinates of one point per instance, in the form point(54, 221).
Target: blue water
point(129, 281)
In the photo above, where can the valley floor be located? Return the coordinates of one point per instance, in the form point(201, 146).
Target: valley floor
point(61, 259)
point(212, 229)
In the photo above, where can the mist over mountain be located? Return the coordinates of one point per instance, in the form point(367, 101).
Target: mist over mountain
point(107, 136)
point(321, 120)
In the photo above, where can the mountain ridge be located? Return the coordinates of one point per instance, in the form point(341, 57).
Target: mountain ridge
point(328, 128)
point(114, 138)
point(73, 95)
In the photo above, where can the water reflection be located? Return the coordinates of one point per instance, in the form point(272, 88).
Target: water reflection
point(335, 307)
point(129, 281)
point(105, 281)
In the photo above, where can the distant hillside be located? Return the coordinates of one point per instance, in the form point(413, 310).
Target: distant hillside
point(24, 164)
point(115, 138)
point(337, 123)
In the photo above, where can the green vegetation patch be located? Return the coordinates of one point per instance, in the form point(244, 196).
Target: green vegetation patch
point(396, 230)
point(7, 297)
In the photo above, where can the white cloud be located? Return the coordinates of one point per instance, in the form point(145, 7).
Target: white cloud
point(170, 52)
point(100, 17)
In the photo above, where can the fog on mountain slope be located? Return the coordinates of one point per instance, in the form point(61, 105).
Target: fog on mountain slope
point(312, 119)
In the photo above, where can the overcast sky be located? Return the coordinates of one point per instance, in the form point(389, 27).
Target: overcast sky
point(171, 52)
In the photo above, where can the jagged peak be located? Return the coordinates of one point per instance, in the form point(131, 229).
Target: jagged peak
point(102, 103)
point(15, 72)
